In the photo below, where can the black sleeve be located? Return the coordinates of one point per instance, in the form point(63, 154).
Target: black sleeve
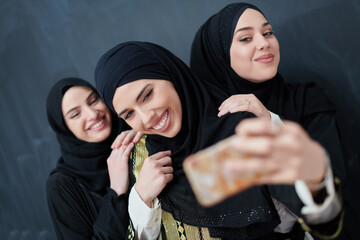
point(323, 129)
point(76, 216)
point(113, 219)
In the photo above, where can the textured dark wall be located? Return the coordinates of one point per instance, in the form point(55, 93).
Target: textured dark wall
point(43, 41)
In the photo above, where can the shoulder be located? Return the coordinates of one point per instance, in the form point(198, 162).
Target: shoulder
point(60, 183)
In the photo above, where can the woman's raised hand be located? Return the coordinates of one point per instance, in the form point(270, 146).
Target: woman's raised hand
point(126, 137)
point(118, 167)
point(281, 154)
point(244, 103)
point(155, 173)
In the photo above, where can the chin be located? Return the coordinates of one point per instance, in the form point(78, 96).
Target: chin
point(266, 77)
point(173, 133)
point(103, 135)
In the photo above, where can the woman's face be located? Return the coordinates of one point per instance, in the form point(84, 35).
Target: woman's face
point(85, 114)
point(254, 52)
point(150, 106)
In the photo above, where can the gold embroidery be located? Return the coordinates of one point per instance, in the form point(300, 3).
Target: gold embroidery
point(140, 153)
point(174, 230)
point(181, 230)
point(131, 233)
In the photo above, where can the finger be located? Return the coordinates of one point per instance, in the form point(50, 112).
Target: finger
point(160, 154)
point(255, 126)
point(222, 112)
point(165, 161)
point(137, 137)
point(169, 177)
point(129, 137)
point(117, 142)
point(231, 99)
point(243, 108)
point(225, 103)
point(250, 167)
point(226, 108)
point(239, 99)
point(286, 143)
point(127, 150)
point(257, 145)
point(254, 166)
point(280, 177)
point(167, 169)
point(295, 129)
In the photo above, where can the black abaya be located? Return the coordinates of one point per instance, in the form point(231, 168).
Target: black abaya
point(81, 204)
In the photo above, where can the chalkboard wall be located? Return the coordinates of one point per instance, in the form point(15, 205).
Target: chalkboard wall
point(43, 41)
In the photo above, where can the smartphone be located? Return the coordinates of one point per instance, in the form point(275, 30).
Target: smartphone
point(209, 179)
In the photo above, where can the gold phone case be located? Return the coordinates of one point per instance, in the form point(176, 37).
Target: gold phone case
point(209, 179)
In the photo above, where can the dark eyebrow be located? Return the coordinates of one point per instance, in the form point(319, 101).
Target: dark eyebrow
point(72, 109)
point(249, 28)
point(137, 98)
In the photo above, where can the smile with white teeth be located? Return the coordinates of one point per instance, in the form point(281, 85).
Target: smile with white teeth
point(97, 124)
point(162, 122)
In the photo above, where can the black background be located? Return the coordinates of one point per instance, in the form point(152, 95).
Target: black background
point(43, 41)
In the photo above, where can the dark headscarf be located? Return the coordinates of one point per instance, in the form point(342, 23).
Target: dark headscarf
point(84, 161)
point(210, 60)
point(252, 209)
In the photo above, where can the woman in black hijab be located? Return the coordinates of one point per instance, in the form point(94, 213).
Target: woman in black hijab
point(178, 112)
point(83, 202)
point(236, 50)
point(244, 60)
point(217, 56)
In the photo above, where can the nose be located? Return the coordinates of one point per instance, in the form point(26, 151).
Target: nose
point(91, 113)
point(147, 117)
point(261, 42)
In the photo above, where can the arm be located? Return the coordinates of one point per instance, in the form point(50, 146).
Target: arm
point(246, 103)
point(74, 211)
point(146, 220)
point(144, 207)
point(283, 154)
point(327, 204)
point(113, 219)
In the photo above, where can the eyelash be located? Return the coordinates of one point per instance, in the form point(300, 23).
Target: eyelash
point(128, 115)
point(146, 97)
point(75, 115)
point(269, 33)
point(94, 100)
point(247, 39)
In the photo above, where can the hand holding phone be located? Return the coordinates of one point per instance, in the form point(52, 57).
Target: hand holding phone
point(208, 177)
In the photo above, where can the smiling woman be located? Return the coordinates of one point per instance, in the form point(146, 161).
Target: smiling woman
point(162, 116)
point(155, 92)
point(86, 115)
point(254, 51)
point(236, 50)
point(84, 202)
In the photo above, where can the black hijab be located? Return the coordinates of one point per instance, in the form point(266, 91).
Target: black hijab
point(84, 161)
point(201, 127)
point(210, 60)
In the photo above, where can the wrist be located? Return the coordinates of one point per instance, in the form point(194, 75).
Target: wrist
point(146, 199)
point(318, 182)
point(118, 190)
point(317, 185)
